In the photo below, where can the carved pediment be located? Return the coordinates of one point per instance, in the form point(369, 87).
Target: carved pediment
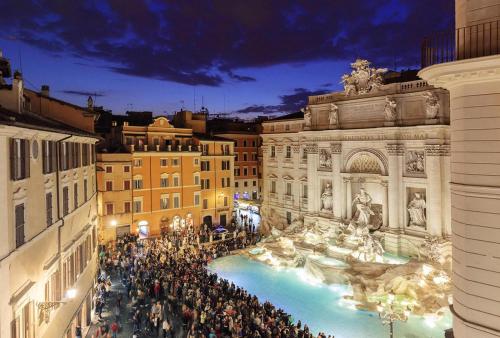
point(272, 176)
point(287, 177)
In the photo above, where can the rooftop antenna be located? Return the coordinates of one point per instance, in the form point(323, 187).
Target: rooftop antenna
point(202, 101)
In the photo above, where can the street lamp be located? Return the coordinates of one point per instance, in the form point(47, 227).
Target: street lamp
point(391, 311)
point(46, 307)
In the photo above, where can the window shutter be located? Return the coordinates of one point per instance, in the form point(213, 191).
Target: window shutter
point(12, 159)
point(26, 158)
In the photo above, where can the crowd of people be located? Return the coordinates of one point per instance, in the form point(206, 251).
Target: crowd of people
point(173, 294)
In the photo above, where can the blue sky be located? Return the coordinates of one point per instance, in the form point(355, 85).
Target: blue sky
point(244, 58)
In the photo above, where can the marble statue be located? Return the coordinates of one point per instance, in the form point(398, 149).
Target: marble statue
point(415, 162)
point(327, 198)
point(363, 79)
point(90, 103)
point(363, 202)
point(431, 105)
point(390, 109)
point(333, 117)
point(307, 116)
point(325, 159)
point(416, 208)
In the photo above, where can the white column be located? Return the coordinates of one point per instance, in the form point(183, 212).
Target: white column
point(434, 189)
point(395, 152)
point(313, 193)
point(348, 198)
point(337, 179)
point(475, 189)
point(385, 216)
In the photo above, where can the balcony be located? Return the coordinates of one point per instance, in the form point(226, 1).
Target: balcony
point(461, 44)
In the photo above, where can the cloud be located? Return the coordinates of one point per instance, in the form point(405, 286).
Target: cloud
point(203, 42)
point(82, 93)
point(289, 103)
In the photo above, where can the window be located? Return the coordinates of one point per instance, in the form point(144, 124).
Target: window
point(177, 202)
point(205, 165)
point(175, 162)
point(126, 207)
point(273, 151)
point(196, 161)
point(236, 158)
point(137, 206)
point(304, 191)
point(48, 208)
point(254, 171)
point(109, 185)
point(164, 202)
point(204, 149)
point(288, 217)
point(138, 182)
point(254, 183)
point(288, 152)
point(77, 160)
point(163, 162)
point(138, 162)
point(304, 154)
point(196, 199)
point(245, 171)
point(287, 127)
point(126, 168)
point(237, 172)
point(205, 184)
point(85, 193)
point(228, 181)
point(109, 209)
point(176, 180)
point(244, 143)
point(85, 155)
point(225, 201)
point(75, 196)
point(196, 179)
point(205, 203)
point(236, 184)
point(19, 211)
point(19, 159)
point(245, 183)
point(49, 154)
point(272, 128)
point(245, 157)
point(254, 156)
point(226, 150)
point(65, 201)
point(289, 189)
point(273, 187)
point(126, 185)
point(223, 180)
point(109, 169)
point(254, 144)
point(226, 165)
point(164, 181)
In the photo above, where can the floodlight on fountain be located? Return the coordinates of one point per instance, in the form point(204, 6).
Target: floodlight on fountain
point(426, 269)
point(390, 297)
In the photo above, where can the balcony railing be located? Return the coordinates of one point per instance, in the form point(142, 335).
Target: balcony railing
point(462, 43)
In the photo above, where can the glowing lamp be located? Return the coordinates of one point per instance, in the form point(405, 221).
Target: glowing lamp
point(71, 293)
point(113, 223)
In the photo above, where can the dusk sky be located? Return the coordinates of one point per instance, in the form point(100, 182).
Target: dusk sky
point(244, 57)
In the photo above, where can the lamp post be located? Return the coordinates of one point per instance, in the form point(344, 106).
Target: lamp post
point(391, 311)
point(46, 307)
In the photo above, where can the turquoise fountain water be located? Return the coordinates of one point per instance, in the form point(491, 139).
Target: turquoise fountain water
point(321, 306)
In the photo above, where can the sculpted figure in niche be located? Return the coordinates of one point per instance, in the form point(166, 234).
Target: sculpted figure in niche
point(431, 105)
point(307, 116)
point(333, 118)
point(363, 203)
point(416, 208)
point(325, 159)
point(390, 109)
point(327, 198)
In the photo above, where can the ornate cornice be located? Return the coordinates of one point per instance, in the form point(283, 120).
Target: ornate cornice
point(437, 149)
point(336, 148)
point(395, 149)
point(296, 148)
point(311, 148)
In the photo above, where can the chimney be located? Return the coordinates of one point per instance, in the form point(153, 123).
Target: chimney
point(45, 90)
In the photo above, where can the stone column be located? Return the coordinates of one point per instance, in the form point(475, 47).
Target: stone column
point(314, 190)
point(337, 179)
point(385, 202)
point(348, 197)
point(475, 187)
point(395, 152)
point(433, 161)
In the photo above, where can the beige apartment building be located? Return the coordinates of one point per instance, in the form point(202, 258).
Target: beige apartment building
point(48, 195)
